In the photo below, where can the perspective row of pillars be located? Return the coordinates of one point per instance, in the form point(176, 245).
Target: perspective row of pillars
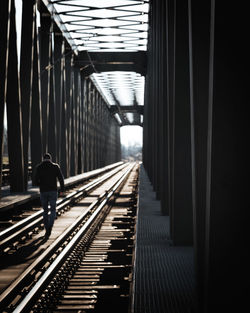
point(51, 106)
point(196, 137)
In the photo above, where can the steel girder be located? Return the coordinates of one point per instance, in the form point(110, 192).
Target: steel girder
point(195, 137)
point(51, 105)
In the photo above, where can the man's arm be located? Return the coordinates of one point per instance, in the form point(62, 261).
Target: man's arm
point(60, 178)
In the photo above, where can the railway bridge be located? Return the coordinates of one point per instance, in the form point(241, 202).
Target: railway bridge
point(72, 73)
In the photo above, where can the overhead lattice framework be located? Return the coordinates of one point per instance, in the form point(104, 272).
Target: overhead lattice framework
point(106, 25)
point(109, 26)
point(124, 91)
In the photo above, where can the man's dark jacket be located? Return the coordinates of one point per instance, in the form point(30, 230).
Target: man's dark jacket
point(46, 176)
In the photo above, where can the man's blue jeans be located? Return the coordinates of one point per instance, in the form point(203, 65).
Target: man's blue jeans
point(48, 198)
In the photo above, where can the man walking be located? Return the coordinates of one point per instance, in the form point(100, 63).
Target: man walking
point(46, 177)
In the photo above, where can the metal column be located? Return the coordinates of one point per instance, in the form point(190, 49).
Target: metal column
point(3, 55)
point(167, 150)
point(182, 218)
point(51, 109)
point(64, 129)
point(36, 144)
point(26, 76)
point(15, 139)
point(44, 40)
point(58, 76)
point(227, 184)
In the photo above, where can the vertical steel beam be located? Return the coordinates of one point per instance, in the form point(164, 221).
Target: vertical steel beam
point(85, 100)
point(44, 39)
point(3, 49)
point(80, 127)
point(52, 126)
point(87, 150)
point(68, 104)
point(117, 143)
point(64, 133)
point(105, 129)
point(182, 217)
point(148, 115)
point(161, 119)
point(171, 24)
point(227, 199)
point(83, 121)
point(36, 108)
point(26, 70)
point(99, 130)
point(15, 140)
point(166, 117)
point(102, 134)
point(154, 97)
point(72, 122)
point(95, 127)
point(91, 128)
point(90, 125)
point(76, 116)
point(199, 34)
point(58, 76)
point(163, 124)
point(146, 136)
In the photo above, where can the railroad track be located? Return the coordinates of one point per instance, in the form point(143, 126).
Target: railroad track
point(13, 212)
point(89, 267)
point(31, 222)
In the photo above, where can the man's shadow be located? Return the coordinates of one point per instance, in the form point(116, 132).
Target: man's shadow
point(23, 254)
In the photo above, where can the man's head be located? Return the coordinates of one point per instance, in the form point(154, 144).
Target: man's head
point(47, 157)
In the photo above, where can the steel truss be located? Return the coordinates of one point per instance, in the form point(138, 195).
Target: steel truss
point(195, 137)
point(51, 105)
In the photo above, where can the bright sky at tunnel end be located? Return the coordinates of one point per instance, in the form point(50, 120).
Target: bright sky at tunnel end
point(131, 136)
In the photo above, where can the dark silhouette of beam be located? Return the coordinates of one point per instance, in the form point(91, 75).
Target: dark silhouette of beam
point(127, 109)
point(91, 62)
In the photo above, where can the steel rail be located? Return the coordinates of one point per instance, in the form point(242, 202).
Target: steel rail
point(134, 254)
point(29, 274)
point(69, 182)
point(28, 224)
point(35, 292)
point(81, 178)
